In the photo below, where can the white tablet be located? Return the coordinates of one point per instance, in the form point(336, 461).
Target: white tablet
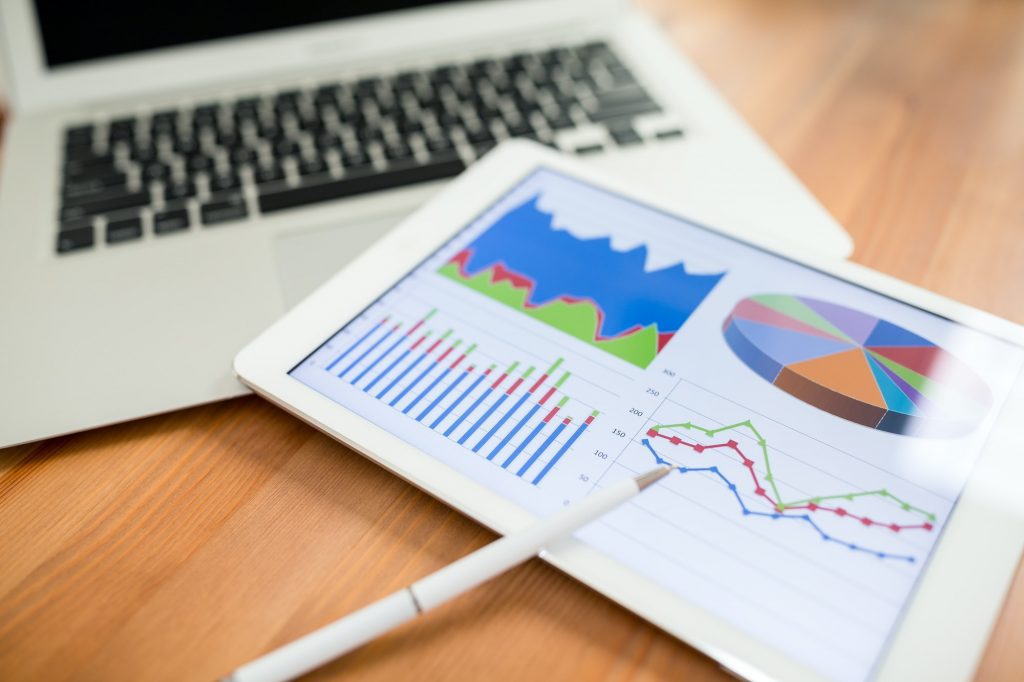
point(845, 503)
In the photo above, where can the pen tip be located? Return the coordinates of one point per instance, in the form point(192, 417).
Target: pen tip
point(652, 476)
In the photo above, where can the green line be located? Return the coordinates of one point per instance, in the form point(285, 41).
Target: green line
point(458, 342)
point(446, 334)
point(782, 505)
point(527, 373)
point(556, 365)
point(512, 367)
point(472, 347)
point(595, 413)
point(563, 401)
point(430, 314)
point(561, 381)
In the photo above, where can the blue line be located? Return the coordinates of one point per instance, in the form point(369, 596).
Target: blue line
point(369, 350)
point(401, 375)
point(379, 358)
point(775, 515)
point(472, 407)
point(458, 400)
point(501, 422)
point(561, 451)
point(354, 345)
point(540, 451)
point(444, 394)
point(515, 429)
point(387, 370)
point(522, 446)
point(476, 425)
point(440, 377)
point(411, 386)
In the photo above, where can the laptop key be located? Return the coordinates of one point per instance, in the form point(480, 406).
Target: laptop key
point(355, 184)
point(223, 208)
point(625, 135)
point(113, 200)
point(75, 236)
point(124, 230)
point(167, 222)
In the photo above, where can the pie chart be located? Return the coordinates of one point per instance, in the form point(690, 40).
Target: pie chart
point(856, 366)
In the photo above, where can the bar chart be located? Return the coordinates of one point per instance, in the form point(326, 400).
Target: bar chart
point(516, 415)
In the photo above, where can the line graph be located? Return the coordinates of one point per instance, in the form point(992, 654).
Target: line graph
point(747, 511)
point(813, 504)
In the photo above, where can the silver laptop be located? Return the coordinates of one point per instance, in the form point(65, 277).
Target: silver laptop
point(175, 175)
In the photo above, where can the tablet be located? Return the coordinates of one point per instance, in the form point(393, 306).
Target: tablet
point(843, 503)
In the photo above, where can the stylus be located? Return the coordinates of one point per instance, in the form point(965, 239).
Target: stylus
point(351, 632)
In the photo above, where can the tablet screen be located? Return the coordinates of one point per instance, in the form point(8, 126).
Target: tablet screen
point(821, 433)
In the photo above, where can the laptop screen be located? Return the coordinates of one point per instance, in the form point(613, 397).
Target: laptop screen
point(74, 31)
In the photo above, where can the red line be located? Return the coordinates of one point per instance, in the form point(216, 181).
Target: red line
point(500, 379)
point(537, 384)
point(418, 342)
point(552, 413)
point(760, 491)
point(432, 347)
point(589, 420)
point(487, 371)
point(551, 391)
point(458, 360)
point(514, 386)
point(567, 420)
point(468, 369)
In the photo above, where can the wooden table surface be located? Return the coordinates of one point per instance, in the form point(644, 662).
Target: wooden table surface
point(177, 547)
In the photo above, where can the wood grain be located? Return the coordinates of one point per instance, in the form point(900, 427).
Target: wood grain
point(177, 547)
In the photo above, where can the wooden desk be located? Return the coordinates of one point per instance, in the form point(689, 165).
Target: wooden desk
point(179, 546)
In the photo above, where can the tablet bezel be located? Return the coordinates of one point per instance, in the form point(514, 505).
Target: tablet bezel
point(944, 629)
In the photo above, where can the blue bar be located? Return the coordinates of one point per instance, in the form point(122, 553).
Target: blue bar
point(515, 429)
point(476, 425)
point(379, 358)
point(401, 375)
point(522, 446)
point(501, 422)
point(354, 345)
point(458, 400)
point(387, 370)
point(448, 389)
point(369, 350)
point(412, 385)
point(438, 379)
point(472, 407)
point(561, 451)
point(540, 451)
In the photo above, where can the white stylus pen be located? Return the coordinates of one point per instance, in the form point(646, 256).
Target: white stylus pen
point(351, 632)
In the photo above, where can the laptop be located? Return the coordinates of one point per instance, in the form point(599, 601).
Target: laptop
point(175, 176)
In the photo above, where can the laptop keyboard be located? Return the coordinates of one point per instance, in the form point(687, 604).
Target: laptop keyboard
point(220, 162)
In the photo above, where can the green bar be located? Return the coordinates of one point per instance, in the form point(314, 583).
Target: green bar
point(561, 381)
point(527, 373)
point(512, 367)
point(552, 368)
point(563, 401)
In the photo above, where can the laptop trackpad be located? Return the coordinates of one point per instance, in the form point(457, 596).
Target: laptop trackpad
point(307, 258)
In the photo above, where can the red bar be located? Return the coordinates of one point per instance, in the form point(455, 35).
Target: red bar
point(551, 392)
point(538, 383)
point(433, 346)
point(445, 354)
point(487, 371)
point(418, 342)
point(589, 420)
point(395, 328)
point(500, 379)
point(414, 328)
point(567, 420)
point(458, 360)
point(552, 413)
point(468, 369)
point(514, 386)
